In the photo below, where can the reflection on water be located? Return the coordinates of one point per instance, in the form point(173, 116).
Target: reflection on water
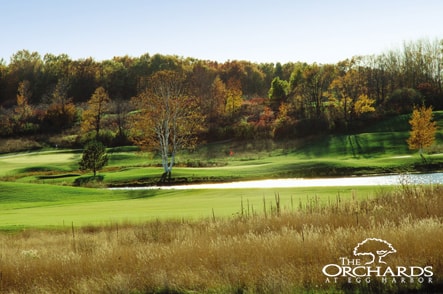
point(430, 178)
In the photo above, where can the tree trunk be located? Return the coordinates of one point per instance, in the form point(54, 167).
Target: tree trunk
point(420, 151)
point(166, 176)
point(167, 164)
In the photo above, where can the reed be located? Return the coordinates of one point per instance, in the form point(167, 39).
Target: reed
point(274, 251)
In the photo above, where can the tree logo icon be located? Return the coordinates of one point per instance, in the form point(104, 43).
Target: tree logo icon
point(374, 247)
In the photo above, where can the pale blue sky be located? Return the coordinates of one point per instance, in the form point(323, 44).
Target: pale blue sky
point(260, 31)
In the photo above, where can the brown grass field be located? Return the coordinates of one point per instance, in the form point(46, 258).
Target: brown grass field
point(277, 252)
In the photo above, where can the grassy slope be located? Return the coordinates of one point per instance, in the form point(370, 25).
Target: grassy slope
point(51, 205)
point(380, 148)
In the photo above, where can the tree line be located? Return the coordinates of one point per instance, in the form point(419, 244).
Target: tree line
point(54, 94)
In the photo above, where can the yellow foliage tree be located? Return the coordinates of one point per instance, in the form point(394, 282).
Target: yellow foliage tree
point(233, 96)
point(348, 95)
point(423, 129)
point(363, 104)
point(219, 96)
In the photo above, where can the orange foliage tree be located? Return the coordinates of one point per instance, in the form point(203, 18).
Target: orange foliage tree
point(167, 118)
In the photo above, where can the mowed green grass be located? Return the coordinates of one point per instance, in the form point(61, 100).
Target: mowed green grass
point(57, 160)
point(62, 167)
point(42, 205)
point(379, 149)
point(39, 190)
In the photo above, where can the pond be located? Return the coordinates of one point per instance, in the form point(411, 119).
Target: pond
point(426, 178)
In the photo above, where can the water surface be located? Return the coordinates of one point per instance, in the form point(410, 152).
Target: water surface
point(428, 178)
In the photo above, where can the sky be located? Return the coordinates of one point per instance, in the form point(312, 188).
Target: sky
point(259, 31)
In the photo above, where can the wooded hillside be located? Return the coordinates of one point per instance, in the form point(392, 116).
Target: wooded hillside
point(47, 96)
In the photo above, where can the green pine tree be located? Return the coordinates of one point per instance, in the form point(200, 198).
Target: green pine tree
point(94, 157)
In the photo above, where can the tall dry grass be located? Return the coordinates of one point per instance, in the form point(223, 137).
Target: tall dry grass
point(277, 252)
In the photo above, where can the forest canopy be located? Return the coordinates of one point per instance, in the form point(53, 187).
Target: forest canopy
point(48, 95)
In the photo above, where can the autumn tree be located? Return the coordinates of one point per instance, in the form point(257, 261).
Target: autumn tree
point(94, 157)
point(218, 98)
point(264, 125)
point(3, 83)
point(204, 84)
point(121, 109)
point(423, 129)
point(233, 96)
point(364, 104)
point(61, 112)
point(23, 111)
point(56, 68)
point(26, 66)
point(402, 101)
point(310, 83)
point(167, 118)
point(348, 94)
point(98, 105)
point(283, 126)
point(6, 122)
point(83, 75)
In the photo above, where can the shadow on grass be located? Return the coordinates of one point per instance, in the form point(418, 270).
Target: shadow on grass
point(328, 169)
point(364, 145)
point(140, 194)
point(90, 180)
point(48, 177)
point(121, 157)
point(38, 169)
